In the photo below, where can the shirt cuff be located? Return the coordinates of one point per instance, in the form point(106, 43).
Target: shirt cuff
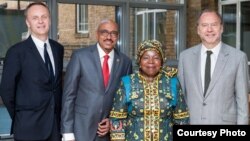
point(68, 136)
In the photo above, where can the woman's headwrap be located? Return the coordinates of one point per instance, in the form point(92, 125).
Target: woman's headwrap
point(149, 45)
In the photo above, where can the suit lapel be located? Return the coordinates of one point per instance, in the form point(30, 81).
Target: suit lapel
point(36, 53)
point(197, 69)
point(55, 56)
point(219, 68)
point(114, 69)
point(98, 66)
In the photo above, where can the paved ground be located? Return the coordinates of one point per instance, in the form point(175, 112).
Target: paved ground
point(5, 122)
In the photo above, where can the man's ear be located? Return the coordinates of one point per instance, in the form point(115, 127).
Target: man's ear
point(27, 23)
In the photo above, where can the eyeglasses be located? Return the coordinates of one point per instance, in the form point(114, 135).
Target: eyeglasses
point(105, 33)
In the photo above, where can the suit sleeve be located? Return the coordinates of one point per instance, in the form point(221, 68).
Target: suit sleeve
point(241, 89)
point(10, 78)
point(69, 94)
point(129, 69)
point(181, 74)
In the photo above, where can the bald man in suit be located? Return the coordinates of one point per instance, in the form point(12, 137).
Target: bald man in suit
point(221, 96)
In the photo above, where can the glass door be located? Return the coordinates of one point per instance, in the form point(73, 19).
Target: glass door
point(229, 18)
point(245, 27)
point(12, 24)
point(236, 18)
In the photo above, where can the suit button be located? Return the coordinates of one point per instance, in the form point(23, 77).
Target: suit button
point(204, 104)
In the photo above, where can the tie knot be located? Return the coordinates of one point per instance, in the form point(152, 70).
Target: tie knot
point(209, 52)
point(106, 57)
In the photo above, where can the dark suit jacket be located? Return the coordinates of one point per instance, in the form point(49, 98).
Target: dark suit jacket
point(85, 100)
point(30, 97)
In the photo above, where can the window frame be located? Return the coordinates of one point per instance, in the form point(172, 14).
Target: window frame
point(82, 19)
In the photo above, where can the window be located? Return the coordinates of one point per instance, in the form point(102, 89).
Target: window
point(159, 24)
point(245, 27)
point(11, 15)
point(236, 19)
point(82, 19)
point(149, 24)
point(229, 18)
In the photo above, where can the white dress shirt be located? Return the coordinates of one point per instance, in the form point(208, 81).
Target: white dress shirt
point(40, 47)
point(102, 54)
point(213, 56)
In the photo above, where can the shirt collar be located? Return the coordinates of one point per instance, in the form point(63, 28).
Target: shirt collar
point(215, 50)
point(39, 43)
point(102, 53)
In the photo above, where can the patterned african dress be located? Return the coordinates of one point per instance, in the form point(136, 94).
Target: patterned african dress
point(147, 111)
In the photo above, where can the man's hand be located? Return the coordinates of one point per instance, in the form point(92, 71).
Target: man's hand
point(103, 127)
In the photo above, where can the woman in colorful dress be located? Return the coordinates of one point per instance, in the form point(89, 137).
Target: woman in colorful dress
point(149, 102)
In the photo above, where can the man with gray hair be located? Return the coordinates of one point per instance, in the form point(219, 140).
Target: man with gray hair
point(92, 78)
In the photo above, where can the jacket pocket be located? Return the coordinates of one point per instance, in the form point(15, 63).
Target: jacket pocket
point(229, 118)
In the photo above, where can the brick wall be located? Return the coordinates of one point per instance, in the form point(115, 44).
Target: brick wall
point(67, 26)
point(194, 7)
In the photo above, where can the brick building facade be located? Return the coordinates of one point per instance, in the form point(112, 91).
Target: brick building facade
point(73, 40)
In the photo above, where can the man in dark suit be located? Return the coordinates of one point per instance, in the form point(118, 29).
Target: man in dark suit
point(31, 86)
point(87, 96)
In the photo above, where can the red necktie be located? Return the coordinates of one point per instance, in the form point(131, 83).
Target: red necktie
point(105, 70)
